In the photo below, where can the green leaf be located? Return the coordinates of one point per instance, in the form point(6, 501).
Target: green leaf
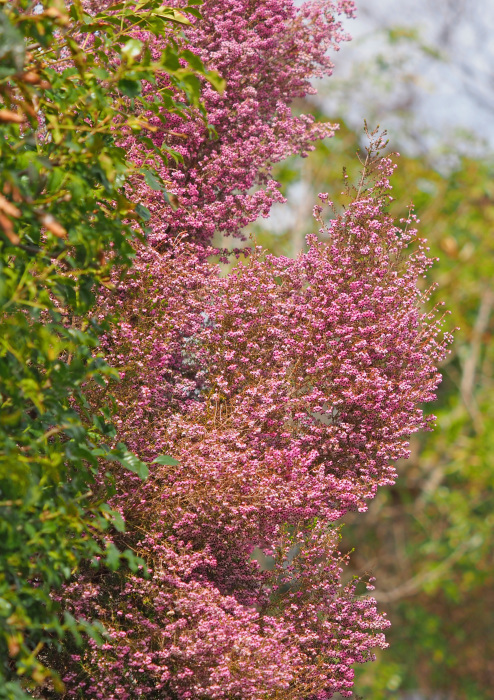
point(193, 60)
point(112, 559)
point(130, 88)
point(171, 14)
point(133, 48)
point(114, 516)
point(166, 459)
point(151, 180)
point(130, 461)
point(143, 212)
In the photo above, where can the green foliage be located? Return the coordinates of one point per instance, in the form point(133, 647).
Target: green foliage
point(72, 85)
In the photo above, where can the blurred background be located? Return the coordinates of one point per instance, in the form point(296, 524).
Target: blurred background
point(424, 70)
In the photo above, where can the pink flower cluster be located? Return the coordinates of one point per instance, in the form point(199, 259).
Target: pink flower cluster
point(268, 51)
point(284, 391)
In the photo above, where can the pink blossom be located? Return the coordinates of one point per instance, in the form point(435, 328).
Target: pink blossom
point(284, 390)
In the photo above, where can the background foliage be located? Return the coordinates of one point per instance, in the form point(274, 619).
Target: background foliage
point(71, 86)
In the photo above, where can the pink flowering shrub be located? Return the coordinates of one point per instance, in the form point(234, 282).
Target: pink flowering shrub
point(268, 51)
point(284, 392)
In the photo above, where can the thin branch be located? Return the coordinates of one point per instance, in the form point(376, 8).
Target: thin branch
point(416, 584)
point(470, 366)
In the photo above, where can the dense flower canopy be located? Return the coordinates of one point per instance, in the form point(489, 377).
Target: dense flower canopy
point(268, 51)
point(283, 391)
